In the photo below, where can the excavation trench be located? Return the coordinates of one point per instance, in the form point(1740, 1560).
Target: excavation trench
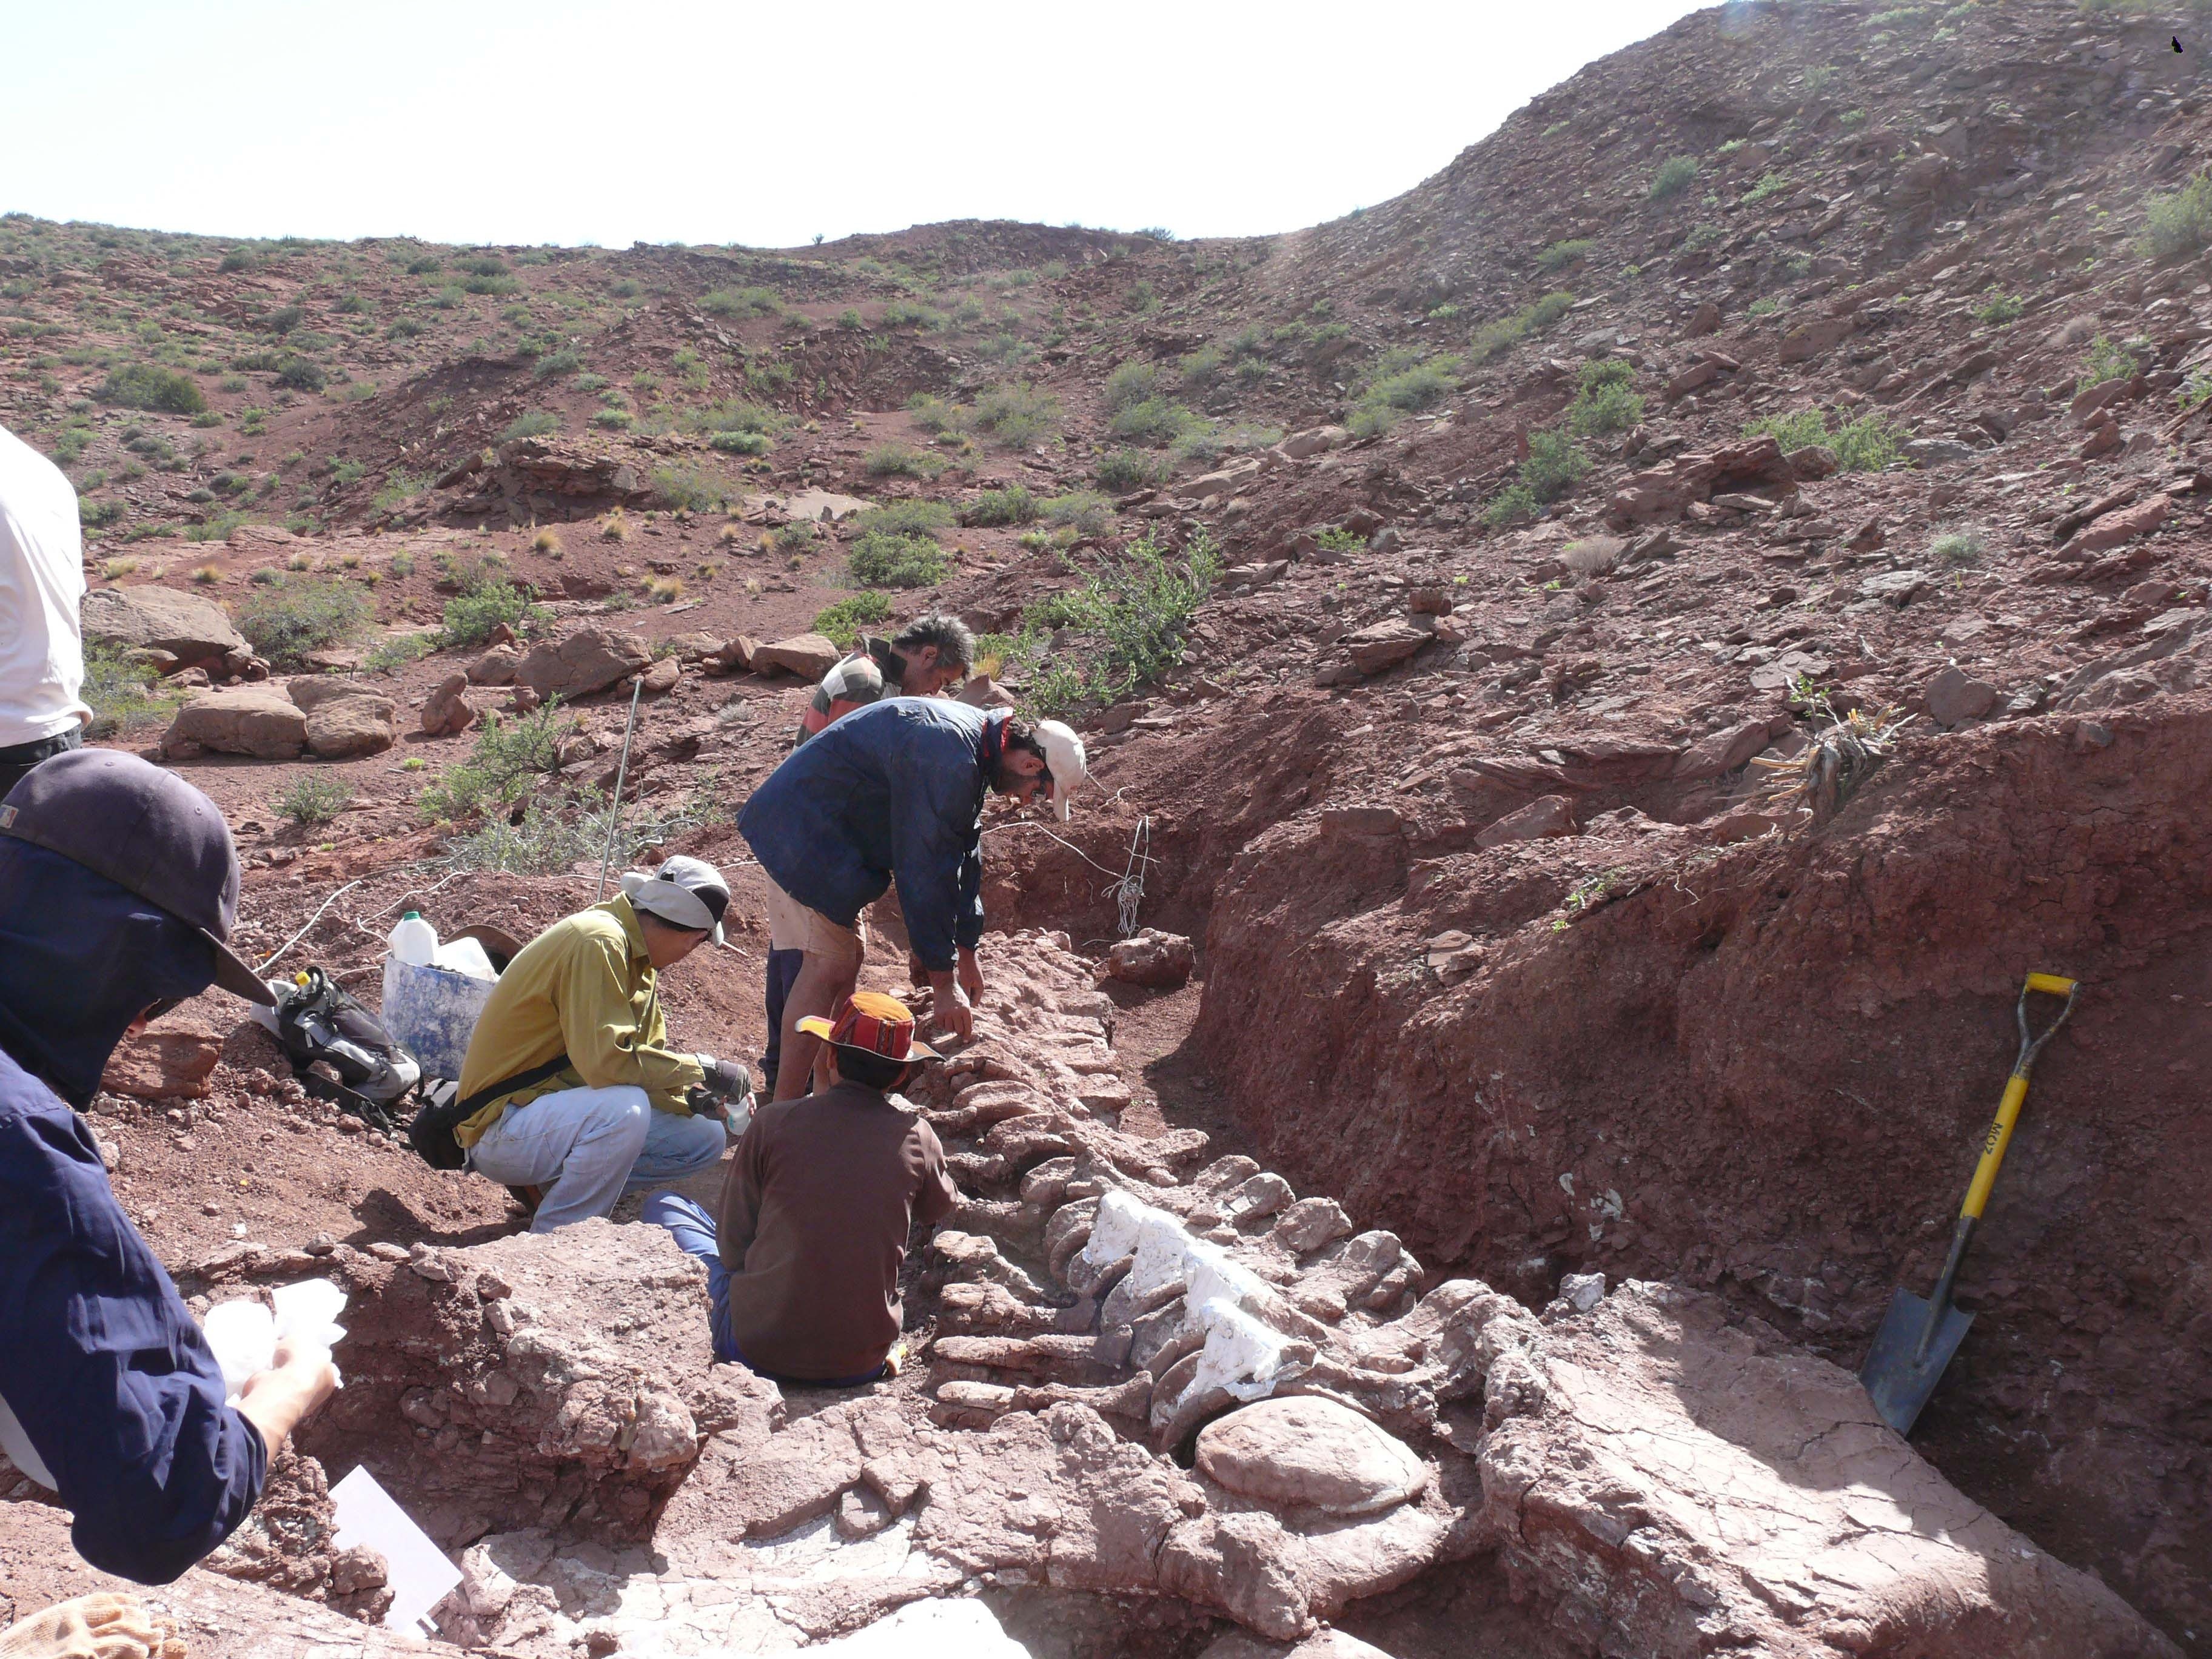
point(1762, 1070)
point(1640, 1086)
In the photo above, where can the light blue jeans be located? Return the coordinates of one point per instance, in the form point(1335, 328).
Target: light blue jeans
point(586, 1147)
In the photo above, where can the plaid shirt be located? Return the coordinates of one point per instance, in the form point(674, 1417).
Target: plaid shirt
point(858, 680)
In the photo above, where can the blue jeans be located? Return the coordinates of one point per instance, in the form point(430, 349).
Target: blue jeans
point(588, 1147)
point(694, 1230)
point(783, 968)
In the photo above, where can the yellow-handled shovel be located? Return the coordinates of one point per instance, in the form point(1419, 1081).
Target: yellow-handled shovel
point(1918, 1339)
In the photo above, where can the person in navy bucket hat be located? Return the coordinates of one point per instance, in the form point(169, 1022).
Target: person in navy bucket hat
point(119, 891)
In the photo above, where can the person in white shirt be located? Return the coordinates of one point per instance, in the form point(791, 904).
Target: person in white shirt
point(41, 585)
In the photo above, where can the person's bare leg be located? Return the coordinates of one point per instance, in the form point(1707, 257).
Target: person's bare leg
point(822, 983)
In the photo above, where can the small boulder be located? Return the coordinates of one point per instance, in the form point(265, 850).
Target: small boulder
point(1938, 452)
point(190, 627)
point(1312, 1222)
point(2114, 528)
point(259, 723)
point(590, 659)
point(1308, 1453)
point(173, 1058)
point(446, 711)
point(1546, 815)
point(693, 647)
point(1954, 695)
point(1151, 958)
point(495, 667)
point(1314, 440)
point(810, 656)
point(343, 728)
point(660, 679)
point(1385, 644)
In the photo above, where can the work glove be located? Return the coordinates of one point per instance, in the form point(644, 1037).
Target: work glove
point(105, 1625)
point(726, 1079)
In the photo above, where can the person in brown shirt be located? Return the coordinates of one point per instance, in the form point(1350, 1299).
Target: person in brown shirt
point(803, 1261)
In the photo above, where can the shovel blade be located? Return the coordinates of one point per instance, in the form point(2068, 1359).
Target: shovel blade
point(1898, 1382)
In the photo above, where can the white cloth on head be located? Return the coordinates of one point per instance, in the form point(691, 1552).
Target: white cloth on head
point(41, 585)
point(673, 893)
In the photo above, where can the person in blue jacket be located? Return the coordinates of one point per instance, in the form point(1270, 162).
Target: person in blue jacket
point(895, 789)
point(119, 884)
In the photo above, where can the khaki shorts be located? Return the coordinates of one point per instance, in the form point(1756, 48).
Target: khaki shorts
point(792, 926)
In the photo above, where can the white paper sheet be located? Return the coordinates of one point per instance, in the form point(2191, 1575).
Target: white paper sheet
point(420, 1576)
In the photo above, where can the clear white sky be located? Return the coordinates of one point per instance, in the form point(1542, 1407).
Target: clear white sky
point(707, 121)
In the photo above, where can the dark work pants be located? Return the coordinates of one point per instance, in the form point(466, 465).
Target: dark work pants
point(783, 968)
point(19, 759)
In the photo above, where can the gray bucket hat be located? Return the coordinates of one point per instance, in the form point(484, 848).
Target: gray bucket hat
point(148, 831)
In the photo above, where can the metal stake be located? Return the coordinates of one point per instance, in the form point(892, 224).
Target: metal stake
point(622, 768)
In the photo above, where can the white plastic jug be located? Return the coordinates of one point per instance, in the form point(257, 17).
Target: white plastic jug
point(415, 941)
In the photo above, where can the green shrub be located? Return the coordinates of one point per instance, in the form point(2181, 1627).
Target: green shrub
point(1132, 613)
point(1494, 339)
point(301, 375)
point(797, 537)
point(121, 693)
point(1152, 421)
point(2000, 308)
point(897, 461)
point(509, 756)
point(904, 313)
point(1414, 386)
point(1557, 257)
point(1084, 511)
point(284, 624)
point(1131, 382)
point(741, 443)
point(742, 303)
point(492, 285)
point(736, 414)
point(1128, 470)
point(1801, 429)
point(1867, 444)
point(1702, 237)
point(1555, 466)
point(883, 560)
point(555, 364)
point(399, 487)
point(532, 423)
point(1514, 504)
point(1017, 414)
point(396, 651)
point(1335, 539)
point(486, 603)
point(2107, 360)
point(933, 415)
point(689, 489)
point(1957, 548)
point(915, 518)
point(1604, 403)
point(315, 798)
point(1675, 174)
point(1012, 505)
point(614, 420)
point(148, 386)
point(2180, 223)
point(1768, 185)
point(841, 622)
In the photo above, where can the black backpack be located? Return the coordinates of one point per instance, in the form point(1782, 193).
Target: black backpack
point(445, 1109)
point(340, 1052)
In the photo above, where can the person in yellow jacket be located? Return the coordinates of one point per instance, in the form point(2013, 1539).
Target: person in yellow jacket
point(583, 1099)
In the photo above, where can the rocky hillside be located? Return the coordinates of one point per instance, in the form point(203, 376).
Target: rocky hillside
point(1623, 657)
